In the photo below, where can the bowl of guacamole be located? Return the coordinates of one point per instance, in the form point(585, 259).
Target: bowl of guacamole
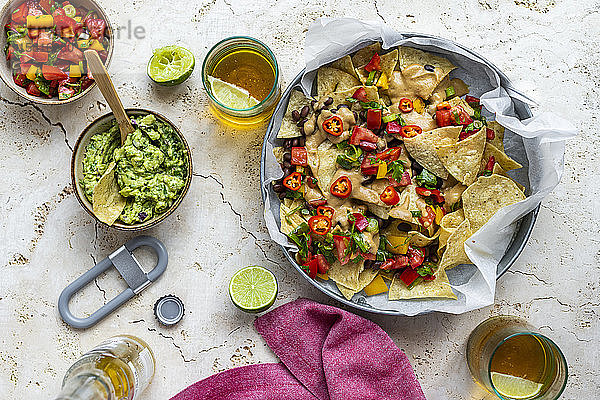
point(152, 170)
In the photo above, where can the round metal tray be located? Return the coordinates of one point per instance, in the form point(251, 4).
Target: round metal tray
point(517, 244)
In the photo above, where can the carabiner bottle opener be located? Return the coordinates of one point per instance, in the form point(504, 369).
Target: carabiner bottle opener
point(129, 268)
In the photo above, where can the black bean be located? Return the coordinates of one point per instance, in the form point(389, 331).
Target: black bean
point(296, 115)
point(304, 112)
point(368, 264)
point(377, 132)
point(278, 188)
point(287, 165)
point(301, 122)
point(287, 156)
point(342, 106)
point(417, 168)
point(287, 143)
point(287, 171)
point(438, 182)
point(384, 224)
point(433, 258)
point(355, 115)
point(329, 101)
point(295, 142)
point(302, 131)
point(363, 115)
point(429, 67)
point(301, 141)
point(281, 195)
point(394, 143)
point(404, 227)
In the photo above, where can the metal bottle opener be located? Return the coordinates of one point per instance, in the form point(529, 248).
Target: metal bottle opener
point(129, 268)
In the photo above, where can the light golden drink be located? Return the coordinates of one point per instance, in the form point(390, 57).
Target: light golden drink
point(240, 75)
point(509, 359)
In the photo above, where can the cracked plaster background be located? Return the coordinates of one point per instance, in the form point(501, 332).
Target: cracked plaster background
point(545, 47)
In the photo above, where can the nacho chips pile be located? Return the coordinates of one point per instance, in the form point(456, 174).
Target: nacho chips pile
point(388, 171)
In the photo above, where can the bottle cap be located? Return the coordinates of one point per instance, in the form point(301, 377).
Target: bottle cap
point(168, 310)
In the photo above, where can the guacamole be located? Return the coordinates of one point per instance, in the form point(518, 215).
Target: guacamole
point(151, 167)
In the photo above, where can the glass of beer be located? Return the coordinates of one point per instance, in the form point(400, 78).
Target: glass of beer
point(508, 358)
point(241, 77)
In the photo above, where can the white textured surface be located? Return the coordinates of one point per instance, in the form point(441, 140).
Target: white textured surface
point(545, 46)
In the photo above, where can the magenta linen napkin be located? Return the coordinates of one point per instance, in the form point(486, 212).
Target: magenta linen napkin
point(327, 354)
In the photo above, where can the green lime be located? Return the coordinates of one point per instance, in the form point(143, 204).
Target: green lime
point(253, 289)
point(171, 65)
point(231, 95)
point(515, 387)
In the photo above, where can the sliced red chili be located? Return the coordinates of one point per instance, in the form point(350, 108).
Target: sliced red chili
point(435, 194)
point(409, 131)
point(341, 247)
point(342, 187)
point(360, 134)
point(489, 167)
point(443, 118)
point(444, 105)
point(374, 64)
point(299, 156)
point(293, 181)
point(427, 219)
point(405, 105)
point(319, 224)
point(390, 196)
point(490, 134)
point(360, 94)
point(311, 268)
point(373, 119)
point(325, 211)
point(317, 202)
point(333, 125)
point(369, 165)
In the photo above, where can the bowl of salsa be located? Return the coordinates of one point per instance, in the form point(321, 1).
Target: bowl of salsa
point(43, 43)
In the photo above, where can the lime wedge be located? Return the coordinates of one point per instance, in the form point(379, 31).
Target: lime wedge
point(514, 387)
point(230, 95)
point(171, 65)
point(253, 289)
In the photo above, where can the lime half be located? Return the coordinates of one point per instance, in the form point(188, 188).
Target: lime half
point(253, 289)
point(171, 65)
point(231, 95)
point(514, 387)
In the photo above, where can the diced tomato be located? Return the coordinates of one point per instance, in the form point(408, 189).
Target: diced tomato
point(33, 90)
point(24, 68)
point(64, 91)
point(322, 264)
point(405, 181)
point(373, 119)
point(391, 154)
point(96, 28)
point(45, 5)
point(444, 118)
point(388, 264)
point(368, 256)
point(19, 15)
point(490, 134)
point(465, 134)
point(369, 165)
point(299, 156)
point(44, 39)
point(59, 12)
point(374, 64)
point(393, 127)
point(86, 83)
point(20, 79)
point(313, 268)
point(360, 222)
point(415, 256)
point(367, 146)
point(402, 261)
point(341, 246)
point(39, 56)
point(34, 8)
point(360, 94)
point(463, 118)
point(471, 99)
point(408, 276)
point(52, 73)
point(71, 53)
point(66, 26)
point(360, 134)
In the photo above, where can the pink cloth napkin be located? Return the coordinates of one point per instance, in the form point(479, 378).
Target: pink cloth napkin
point(326, 354)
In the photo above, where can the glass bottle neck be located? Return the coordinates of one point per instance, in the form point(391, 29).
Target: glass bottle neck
point(86, 386)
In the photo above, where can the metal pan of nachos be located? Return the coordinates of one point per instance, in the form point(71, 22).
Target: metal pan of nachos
point(388, 168)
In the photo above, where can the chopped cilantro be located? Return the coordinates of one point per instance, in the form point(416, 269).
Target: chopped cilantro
point(426, 179)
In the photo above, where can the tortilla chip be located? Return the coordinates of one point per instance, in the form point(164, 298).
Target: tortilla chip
point(278, 153)
point(289, 222)
point(330, 80)
point(462, 159)
point(498, 140)
point(327, 153)
point(455, 248)
point(345, 64)
point(389, 275)
point(438, 288)
point(409, 56)
point(460, 102)
point(288, 128)
point(498, 170)
point(346, 275)
point(502, 159)
point(107, 202)
point(364, 55)
point(423, 148)
point(420, 240)
point(340, 97)
point(380, 211)
point(407, 203)
point(486, 196)
point(448, 224)
point(364, 279)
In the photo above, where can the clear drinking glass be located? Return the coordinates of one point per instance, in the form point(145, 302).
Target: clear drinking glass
point(508, 358)
point(266, 66)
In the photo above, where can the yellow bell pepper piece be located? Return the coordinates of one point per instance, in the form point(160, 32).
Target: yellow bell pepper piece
point(32, 72)
point(397, 244)
point(83, 44)
point(439, 214)
point(383, 81)
point(419, 105)
point(74, 71)
point(325, 277)
point(382, 170)
point(96, 45)
point(77, 19)
point(40, 21)
point(376, 286)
